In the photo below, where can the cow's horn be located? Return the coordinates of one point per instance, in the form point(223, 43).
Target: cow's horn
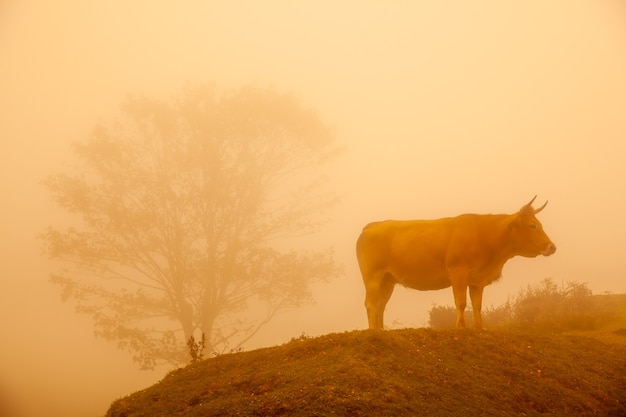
point(531, 201)
point(542, 207)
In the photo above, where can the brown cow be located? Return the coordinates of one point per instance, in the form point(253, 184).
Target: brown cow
point(464, 251)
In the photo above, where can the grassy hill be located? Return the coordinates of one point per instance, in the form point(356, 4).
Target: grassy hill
point(400, 372)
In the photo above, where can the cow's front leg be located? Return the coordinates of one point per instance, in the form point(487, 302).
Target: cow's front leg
point(476, 295)
point(459, 278)
point(460, 301)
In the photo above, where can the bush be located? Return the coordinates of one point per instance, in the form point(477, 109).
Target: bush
point(499, 316)
point(548, 307)
point(444, 317)
point(196, 348)
point(544, 307)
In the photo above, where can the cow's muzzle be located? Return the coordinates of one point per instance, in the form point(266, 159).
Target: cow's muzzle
point(550, 249)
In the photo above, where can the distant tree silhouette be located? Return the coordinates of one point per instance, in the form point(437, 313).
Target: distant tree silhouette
point(178, 205)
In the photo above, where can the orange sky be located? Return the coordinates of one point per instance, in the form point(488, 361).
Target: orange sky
point(443, 107)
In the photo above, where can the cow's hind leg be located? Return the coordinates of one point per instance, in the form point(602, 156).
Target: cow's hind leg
point(377, 294)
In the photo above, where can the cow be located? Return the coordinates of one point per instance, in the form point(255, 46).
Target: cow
point(466, 251)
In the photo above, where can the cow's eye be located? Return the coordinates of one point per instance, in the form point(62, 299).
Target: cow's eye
point(533, 226)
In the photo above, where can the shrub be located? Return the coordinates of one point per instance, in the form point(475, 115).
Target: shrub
point(444, 317)
point(548, 307)
point(544, 307)
point(499, 316)
point(196, 348)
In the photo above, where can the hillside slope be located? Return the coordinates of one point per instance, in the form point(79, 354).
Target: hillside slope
point(399, 372)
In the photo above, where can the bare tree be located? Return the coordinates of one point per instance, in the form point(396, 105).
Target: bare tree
point(179, 204)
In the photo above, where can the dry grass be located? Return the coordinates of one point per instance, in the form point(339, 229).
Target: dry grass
point(400, 372)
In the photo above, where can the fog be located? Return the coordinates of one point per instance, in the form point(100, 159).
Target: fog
point(442, 108)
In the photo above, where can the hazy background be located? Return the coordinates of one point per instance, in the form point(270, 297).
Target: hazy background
point(443, 107)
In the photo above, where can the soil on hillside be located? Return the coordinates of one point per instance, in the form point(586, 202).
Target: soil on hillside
point(399, 372)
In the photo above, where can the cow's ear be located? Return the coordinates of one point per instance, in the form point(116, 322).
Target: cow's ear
point(514, 223)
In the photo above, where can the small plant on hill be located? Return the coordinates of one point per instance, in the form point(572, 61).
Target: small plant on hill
point(196, 349)
point(300, 338)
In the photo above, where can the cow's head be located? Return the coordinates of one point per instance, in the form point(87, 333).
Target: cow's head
point(527, 233)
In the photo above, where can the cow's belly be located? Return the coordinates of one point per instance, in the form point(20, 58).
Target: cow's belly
point(424, 280)
point(485, 277)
